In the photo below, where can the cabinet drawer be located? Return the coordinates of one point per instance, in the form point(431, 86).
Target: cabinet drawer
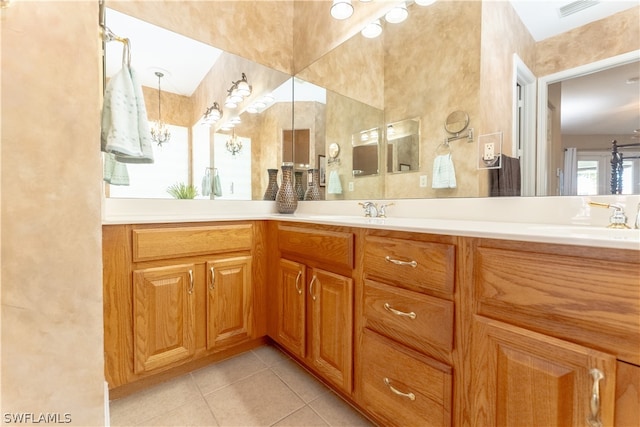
point(404, 388)
point(326, 246)
point(159, 243)
point(590, 301)
point(420, 321)
point(411, 264)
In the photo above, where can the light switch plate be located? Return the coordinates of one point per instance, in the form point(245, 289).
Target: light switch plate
point(423, 180)
point(351, 186)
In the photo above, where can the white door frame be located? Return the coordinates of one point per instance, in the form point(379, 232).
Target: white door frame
point(543, 99)
point(522, 75)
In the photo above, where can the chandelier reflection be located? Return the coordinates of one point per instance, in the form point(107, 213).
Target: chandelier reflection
point(234, 145)
point(159, 131)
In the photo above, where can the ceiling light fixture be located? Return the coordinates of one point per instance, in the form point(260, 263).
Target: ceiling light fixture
point(372, 30)
point(159, 131)
point(341, 9)
point(397, 14)
point(234, 145)
point(424, 2)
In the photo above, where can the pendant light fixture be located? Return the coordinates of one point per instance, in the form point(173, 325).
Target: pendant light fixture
point(234, 145)
point(159, 131)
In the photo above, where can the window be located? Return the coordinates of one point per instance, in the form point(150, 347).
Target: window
point(594, 173)
point(171, 166)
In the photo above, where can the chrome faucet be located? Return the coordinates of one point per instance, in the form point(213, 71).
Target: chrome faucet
point(372, 210)
point(381, 210)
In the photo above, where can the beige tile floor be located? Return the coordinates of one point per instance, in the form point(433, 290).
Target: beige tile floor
point(262, 387)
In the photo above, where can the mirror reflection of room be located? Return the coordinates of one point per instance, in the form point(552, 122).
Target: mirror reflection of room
point(395, 76)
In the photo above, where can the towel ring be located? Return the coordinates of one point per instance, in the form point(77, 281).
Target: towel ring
point(444, 145)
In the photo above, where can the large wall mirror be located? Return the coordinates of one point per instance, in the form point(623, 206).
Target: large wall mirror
point(216, 150)
point(489, 62)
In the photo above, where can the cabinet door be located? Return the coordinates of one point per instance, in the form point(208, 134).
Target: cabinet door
point(228, 301)
point(331, 297)
point(291, 306)
point(528, 379)
point(163, 316)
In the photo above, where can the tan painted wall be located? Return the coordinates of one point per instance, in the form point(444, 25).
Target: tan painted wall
point(430, 80)
point(52, 346)
point(620, 33)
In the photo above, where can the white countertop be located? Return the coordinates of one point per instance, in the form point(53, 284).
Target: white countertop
point(560, 220)
point(530, 232)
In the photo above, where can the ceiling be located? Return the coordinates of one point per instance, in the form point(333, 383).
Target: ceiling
point(606, 102)
point(542, 17)
point(602, 99)
point(183, 61)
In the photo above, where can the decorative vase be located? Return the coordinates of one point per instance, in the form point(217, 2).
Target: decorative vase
point(286, 199)
point(298, 185)
point(272, 186)
point(313, 190)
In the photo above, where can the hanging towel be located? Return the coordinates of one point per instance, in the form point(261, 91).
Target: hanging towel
point(444, 174)
point(206, 184)
point(217, 189)
point(125, 129)
point(506, 180)
point(114, 172)
point(335, 187)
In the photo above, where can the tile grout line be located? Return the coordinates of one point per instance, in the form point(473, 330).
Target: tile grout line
point(204, 398)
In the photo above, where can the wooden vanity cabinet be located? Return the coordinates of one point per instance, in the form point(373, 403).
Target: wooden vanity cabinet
point(178, 293)
point(164, 316)
point(555, 329)
point(313, 299)
point(405, 363)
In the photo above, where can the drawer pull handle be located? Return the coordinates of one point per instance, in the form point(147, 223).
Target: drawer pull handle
point(410, 315)
point(593, 419)
point(212, 284)
point(313, 297)
point(190, 282)
point(298, 288)
point(409, 396)
point(411, 263)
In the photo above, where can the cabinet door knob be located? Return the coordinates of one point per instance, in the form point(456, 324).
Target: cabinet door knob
point(212, 283)
point(298, 288)
point(594, 417)
point(313, 297)
point(411, 263)
point(394, 390)
point(190, 282)
point(410, 315)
